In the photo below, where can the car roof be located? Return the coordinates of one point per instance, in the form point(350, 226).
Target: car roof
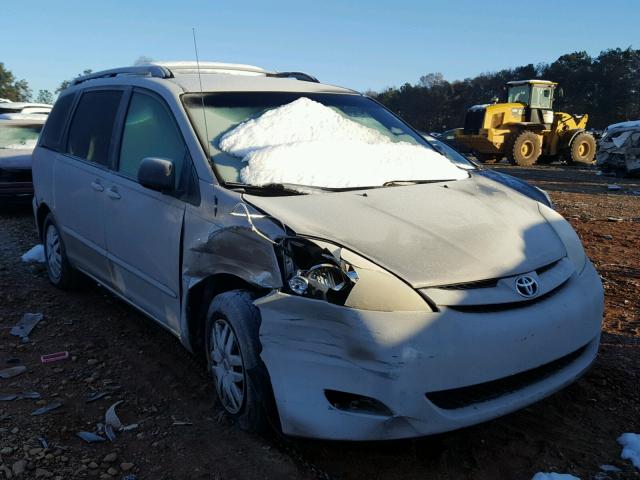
point(218, 77)
point(524, 82)
point(21, 105)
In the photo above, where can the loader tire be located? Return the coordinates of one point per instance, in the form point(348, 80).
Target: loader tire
point(524, 149)
point(583, 149)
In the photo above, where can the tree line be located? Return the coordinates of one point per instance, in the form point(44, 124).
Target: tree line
point(606, 87)
point(19, 91)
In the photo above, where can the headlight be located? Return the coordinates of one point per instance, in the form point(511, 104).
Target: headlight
point(310, 269)
point(322, 278)
point(324, 271)
point(568, 236)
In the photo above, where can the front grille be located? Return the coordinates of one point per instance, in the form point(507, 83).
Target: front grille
point(499, 307)
point(483, 392)
point(473, 121)
point(15, 175)
point(492, 282)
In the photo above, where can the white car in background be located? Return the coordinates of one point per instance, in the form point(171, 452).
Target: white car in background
point(23, 110)
point(18, 138)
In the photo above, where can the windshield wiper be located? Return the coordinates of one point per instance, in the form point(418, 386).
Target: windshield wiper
point(402, 183)
point(291, 188)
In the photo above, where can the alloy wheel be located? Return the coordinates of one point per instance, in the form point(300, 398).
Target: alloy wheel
point(227, 366)
point(53, 251)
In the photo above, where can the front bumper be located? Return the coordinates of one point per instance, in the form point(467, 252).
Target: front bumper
point(16, 192)
point(396, 358)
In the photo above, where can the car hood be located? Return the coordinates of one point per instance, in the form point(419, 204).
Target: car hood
point(428, 234)
point(15, 159)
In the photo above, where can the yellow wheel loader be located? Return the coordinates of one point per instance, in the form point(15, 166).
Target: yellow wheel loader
point(525, 128)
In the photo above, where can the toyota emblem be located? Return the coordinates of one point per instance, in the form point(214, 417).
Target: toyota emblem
point(526, 286)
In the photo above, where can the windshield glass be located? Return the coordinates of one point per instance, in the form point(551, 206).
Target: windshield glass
point(541, 97)
point(519, 94)
point(451, 153)
point(19, 137)
point(316, 139)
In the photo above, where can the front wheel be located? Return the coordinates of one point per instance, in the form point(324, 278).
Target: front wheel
point(233, 358)
point(583, 149)
point(524, 149)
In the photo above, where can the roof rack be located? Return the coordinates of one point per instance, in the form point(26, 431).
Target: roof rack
point(211, 67)
point(167, 70)
point(305, 77)
point(157, 71)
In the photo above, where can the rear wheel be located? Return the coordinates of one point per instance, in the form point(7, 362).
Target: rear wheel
point(583, 148)
point(233, 358)
point(524, 149)
point(60, 272)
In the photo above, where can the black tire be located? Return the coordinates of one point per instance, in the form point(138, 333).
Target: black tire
point(256, 411)
point(61, 273)
point(583, 149)
point(524, 148)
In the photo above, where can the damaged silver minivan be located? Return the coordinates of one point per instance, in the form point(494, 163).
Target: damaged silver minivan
point(343, 279)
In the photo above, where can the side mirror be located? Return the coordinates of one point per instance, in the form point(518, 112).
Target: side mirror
point(157, 174)
point(495, 100)
point(560, 93)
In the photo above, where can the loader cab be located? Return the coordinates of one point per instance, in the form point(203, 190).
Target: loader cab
point(536, 95)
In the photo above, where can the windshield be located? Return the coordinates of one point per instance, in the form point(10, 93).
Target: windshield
point(451, 153)
point(315, 139)
point(19, 137)
point(541, 97)
point(519, 94)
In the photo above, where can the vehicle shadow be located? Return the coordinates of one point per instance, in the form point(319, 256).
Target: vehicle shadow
point(574, 179)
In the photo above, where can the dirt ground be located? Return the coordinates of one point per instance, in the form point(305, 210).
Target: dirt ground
point(116, 350)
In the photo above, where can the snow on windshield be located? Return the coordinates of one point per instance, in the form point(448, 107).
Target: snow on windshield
point(307, 143)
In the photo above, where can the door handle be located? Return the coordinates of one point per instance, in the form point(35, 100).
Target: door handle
point(97, 186)
point(113, 193)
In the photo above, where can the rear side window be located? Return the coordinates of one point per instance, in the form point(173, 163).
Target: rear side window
point(92, 126)
point(54, 128)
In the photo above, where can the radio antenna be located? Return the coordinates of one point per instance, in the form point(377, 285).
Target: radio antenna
point(204, 114)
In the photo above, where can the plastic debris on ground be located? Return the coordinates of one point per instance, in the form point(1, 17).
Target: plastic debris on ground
point(90, 437)
point(307, 143)
point(181, 423)
point(9, 397)
point(108, 429)
point(609, 468)
point(46, 409)
point(554, 476)
point(614, 188)
point(34, 255)
point(92, 397)
point(54, 357)
point(630, 448)
point(619, 149)
point(12, 371)
point(26, 325)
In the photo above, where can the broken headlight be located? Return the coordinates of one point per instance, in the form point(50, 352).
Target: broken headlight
point(310, 269)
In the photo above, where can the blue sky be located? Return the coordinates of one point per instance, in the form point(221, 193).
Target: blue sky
point(362, 45)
